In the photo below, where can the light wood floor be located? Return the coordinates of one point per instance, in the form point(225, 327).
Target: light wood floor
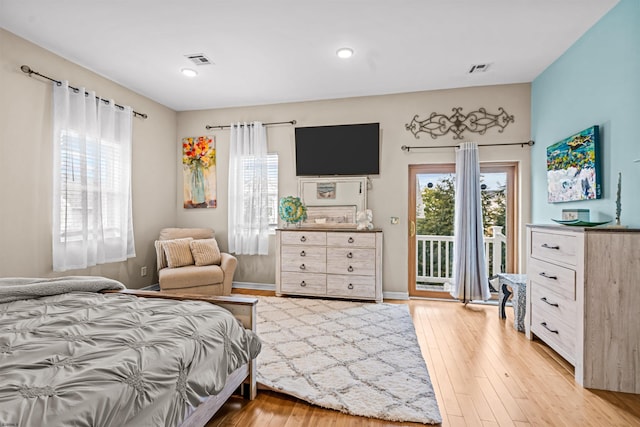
point(484, 373)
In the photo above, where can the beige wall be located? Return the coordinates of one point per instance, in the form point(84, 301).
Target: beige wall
point(26, 167)
point(389, 193)
point(25, 162)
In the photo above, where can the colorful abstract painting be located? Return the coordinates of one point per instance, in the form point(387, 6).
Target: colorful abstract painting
point(199, 172)
point(573, 170)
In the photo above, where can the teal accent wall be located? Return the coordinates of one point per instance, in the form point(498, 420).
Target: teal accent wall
point(595, 82)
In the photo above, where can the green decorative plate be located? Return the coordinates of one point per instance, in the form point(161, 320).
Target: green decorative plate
point(579, 222)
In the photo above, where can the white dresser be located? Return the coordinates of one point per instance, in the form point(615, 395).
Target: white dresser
point(583, 300)
point(332, 263)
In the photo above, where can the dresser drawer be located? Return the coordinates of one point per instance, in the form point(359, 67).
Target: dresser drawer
point(351, 286)
point(303, 283)
point(551, 304)
point(312, 259)
point(314, 238)
point(560, 336)
point(352, 240)
point(351, 261)
point(554, 247)
point(559, 280)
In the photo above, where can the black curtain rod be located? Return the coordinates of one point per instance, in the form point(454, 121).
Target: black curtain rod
point(290, 122)
point(521, 144)
point(27, 70)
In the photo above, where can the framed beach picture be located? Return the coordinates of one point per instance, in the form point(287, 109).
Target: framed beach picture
point(573, 167)
point(326, 190)
point(199, 172)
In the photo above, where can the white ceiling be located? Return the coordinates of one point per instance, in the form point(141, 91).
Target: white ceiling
point(277, 51)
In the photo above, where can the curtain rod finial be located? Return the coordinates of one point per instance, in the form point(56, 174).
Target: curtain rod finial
point(26, 69)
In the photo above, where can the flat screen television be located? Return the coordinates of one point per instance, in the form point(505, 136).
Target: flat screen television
point(338, 150)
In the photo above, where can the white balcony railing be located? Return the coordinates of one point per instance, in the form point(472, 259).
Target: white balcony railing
point(434, 256)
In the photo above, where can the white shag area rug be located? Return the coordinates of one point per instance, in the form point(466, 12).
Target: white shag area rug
point(359, 358)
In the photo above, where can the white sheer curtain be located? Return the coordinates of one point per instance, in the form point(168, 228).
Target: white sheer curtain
point(92, 221)
point(470, 280)
point(248, 190)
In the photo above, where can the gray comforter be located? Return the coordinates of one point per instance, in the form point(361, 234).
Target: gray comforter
point(88, 359)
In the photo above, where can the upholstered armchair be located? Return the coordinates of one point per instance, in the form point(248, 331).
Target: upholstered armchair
point(189, 261)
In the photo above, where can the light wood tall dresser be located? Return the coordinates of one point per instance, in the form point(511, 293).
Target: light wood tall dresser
point(340, 263)
point(583, 300)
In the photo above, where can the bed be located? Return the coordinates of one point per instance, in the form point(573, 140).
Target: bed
point(85, 351)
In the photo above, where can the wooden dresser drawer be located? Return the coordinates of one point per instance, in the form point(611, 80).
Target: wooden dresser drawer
point(311, 259)
point(551, 304)
point(559, 280)
point(351, 286)
point(303, 283)
point(315, 238)
point(352, 240)
point(553, 247)
point(560, 336)
point(351, 261)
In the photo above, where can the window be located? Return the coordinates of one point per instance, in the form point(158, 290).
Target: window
point(272, 190)
point(82, 193)
point(92, 141)
point(272, 186)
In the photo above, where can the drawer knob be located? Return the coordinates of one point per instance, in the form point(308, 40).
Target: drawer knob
point(350, 286)
point(303, 239)
point(350, 269)
point(303, 267)
point(543, 274)
point(544, 299)
point(303, 283)
point(350, 240)
point(303, 253)
point(547, 246)
point(349, 255)
point(544, 325)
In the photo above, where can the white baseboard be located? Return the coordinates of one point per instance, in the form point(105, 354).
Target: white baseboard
point(272, 287)
point(256, 286)
point(395, 295)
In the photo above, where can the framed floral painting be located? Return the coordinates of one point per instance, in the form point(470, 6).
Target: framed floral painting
point(199, 172)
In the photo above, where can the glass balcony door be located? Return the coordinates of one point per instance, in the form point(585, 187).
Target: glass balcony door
point(431, 218)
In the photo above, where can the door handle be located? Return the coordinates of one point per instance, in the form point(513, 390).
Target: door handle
point(412, 228)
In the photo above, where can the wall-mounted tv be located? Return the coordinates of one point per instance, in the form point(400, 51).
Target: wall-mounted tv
point(338, 150)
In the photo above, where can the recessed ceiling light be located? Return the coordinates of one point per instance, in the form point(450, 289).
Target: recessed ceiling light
point(189, 72)
point(344, 52)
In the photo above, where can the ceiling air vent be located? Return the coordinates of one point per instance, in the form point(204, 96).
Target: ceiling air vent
point(478, 68)
point(199, 59)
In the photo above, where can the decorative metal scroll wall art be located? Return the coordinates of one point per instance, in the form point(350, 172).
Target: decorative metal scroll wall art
point(476, 121)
